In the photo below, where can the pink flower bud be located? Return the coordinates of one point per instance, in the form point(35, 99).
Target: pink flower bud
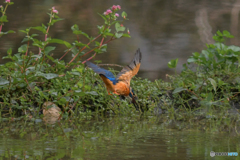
point(109, 11)
point(121, 25)
point(0, 6)
point(128, 31)
point(124, 17)
point(118, 6)
point(116, 14)
point(7, 1)
point(114, 7)
point(54, 10)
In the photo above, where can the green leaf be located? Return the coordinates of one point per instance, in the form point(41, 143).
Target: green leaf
point(124, 14)
point(23, 48)
point(173, 63)
point(76, 73)
point(59, 41)
point(126, 35)
point(3, 19)
point(37, 56)
point(219, 33)
point(234, 48)
point(41, 28)
point(209, 97)
point(10, 31)
point(82, 45)
point(50, 75)
point(118, 35)
point(205, 53)
point(23, 31)
point(191, 59)
point(9, 51)
point(214, 84)
point(55, 20)
point(92, 93)
point(47, 75)
point(3, 81)
point(50, 57)
point(11, 3)
point(63, 100)
point(196, 54)
point(119, 27)
point(227, 34)
point(49, 49)
point(179, 89)
point(74, 27)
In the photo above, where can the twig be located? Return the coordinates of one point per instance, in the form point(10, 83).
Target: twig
point(83, 49)
point(27, 48)
point(89, 58)
point(65, 54)
point(110, 65)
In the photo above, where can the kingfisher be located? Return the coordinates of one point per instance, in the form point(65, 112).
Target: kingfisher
point(120, 84)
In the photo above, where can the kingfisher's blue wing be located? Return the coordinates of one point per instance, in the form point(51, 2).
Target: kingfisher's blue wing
point(109, 75)
point(132, 69)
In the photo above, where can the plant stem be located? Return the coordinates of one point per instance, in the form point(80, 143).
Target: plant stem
point(48, 25)
point(2, 16)
point(83, 49)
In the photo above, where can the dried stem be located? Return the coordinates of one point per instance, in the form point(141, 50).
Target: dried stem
point(116, 65)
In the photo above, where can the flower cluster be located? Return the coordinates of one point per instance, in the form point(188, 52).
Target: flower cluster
point(7, 1)
point(114, 7)
point(107, 12)
point(54, 10)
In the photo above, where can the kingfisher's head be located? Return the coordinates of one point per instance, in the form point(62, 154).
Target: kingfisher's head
point(132, 94)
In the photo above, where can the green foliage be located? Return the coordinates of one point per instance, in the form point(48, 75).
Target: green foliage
point(210, 78)
point(3, 18)
point(29, 79)
point(173, 63)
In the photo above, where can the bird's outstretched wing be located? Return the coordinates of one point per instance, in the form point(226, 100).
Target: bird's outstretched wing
point(109, 75)
point(130, 70)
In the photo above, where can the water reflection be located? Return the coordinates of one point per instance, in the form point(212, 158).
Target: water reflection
point(112, 138)
point(162, 29)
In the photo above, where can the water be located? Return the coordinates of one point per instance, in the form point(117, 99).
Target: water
point(163, 30)
point(111, 138)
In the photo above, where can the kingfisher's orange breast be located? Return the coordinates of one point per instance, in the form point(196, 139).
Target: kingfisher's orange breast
point(122, 89)
point(109, 84)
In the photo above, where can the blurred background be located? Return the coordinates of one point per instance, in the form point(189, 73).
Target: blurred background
point(162, 29)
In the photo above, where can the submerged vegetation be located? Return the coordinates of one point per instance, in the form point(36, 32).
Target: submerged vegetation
point(207, 87)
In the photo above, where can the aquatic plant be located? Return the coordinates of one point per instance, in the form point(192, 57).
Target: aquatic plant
point(210, 78)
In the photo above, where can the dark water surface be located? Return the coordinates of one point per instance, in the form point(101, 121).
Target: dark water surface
point(163, 29)
point(111, 139)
